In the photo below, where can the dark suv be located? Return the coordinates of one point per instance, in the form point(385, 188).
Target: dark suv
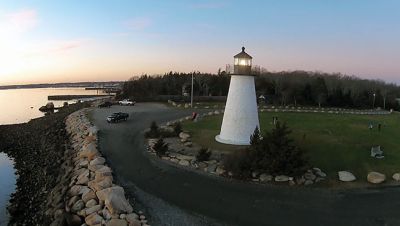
point(116, 117)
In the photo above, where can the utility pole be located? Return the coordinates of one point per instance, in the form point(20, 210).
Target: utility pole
point(191, 96)
point(373, 104)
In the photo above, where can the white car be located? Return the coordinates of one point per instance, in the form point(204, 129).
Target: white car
point(127, 102)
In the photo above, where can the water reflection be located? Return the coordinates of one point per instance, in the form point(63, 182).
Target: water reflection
point(7, 185)
point(22, 105)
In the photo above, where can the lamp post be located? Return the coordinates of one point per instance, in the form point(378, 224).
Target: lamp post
point(191, 94)
point(373, 103)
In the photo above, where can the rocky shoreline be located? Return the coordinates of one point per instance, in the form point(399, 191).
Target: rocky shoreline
point(92, 198)
point(62, 177)
point(37, 148)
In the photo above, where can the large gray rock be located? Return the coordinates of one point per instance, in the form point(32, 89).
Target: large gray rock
point(211, 168)
point(79, 205)
point(396, 176)
point(104, 171)
point(88, 196)
point(100, 184)
point(89, 151)
point(75, 190)
point(184, 163)
point(309, 176)
point(185, 157)
point(92, 209)
point(376, 178)
point(132, 217)
point(83, 178)
point(282, 178)
point(117, 222)
point(114, 199)
point(93, 130)
point(91, 203)
point(184, 135)
point(346, 176)
point(93, 219)
point(220, 171)
point(265, 177)
point(98, 161)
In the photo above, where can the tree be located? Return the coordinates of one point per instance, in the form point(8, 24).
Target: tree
point(154, 131)
point(320, 91)
point(255, 138)
point(203, 154)
point(177, 128)
point(160, 147)
point(281, 155)
point(275, 154)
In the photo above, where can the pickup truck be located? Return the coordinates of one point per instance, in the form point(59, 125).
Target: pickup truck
point(117, 117)
point(127, 102)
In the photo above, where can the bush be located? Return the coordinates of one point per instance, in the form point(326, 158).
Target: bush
point(274, 154)
point(177, 129)
point(279, 154)
point(255, 138)
point(154, 131)
point(203, 155)
point(239, 163)
point(160, 147)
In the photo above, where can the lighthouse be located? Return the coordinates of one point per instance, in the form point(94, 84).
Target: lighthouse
point(241, 114)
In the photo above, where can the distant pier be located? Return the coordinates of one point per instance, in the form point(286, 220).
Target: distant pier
point(105, 89)
point(74, 97)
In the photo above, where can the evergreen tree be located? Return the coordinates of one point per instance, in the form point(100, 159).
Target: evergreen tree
point(160, 147)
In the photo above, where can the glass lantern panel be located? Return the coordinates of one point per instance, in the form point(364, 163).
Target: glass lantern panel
point(243, 62)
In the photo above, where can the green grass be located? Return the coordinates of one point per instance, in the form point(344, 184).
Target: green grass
point(331, 142)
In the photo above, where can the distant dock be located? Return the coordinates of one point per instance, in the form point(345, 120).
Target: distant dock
point(74, 97)
point(105, 89)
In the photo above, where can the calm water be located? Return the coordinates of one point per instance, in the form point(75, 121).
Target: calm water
point(7, 185)
point(22, 105)
point(19, 106)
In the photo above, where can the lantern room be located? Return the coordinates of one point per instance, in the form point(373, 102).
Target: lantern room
point(242, 64)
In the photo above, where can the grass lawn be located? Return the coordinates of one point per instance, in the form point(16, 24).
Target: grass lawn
point(332, 142)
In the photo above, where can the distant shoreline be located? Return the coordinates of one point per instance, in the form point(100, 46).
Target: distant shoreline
point(62, 85)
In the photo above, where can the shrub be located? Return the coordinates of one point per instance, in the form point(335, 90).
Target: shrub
point(177, 129)
point(239, 163)
point(280, 154)
point(274, 154)
point(203, 155)
point(255, 138)
point(154, 131)
point(160, 147)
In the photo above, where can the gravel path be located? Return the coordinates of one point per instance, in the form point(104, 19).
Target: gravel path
point(172, 196)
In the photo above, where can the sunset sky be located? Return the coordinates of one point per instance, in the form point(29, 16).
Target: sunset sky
point(66, 41)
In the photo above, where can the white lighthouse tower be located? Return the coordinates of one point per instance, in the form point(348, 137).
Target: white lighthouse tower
point(241, 114)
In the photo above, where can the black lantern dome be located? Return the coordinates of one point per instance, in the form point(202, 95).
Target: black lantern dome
point(242, 65)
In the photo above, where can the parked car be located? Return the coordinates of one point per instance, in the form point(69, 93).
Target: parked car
point(127, 102)
point(117, 117)
point(106, 104)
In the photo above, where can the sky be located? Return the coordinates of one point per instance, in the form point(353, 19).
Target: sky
point(44, 41)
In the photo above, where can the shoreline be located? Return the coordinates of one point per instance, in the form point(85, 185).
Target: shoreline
point(62, 179)
point(37, 148)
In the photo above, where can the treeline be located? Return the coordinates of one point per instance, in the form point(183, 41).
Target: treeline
point(279, 88)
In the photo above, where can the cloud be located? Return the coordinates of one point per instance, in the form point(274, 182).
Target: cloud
point(22, 20)
point(138, 23)
point(208, 5)
point(53, 47)
point(62, 46)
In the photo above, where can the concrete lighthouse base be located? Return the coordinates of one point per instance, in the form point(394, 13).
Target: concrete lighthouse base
point(241, 113)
